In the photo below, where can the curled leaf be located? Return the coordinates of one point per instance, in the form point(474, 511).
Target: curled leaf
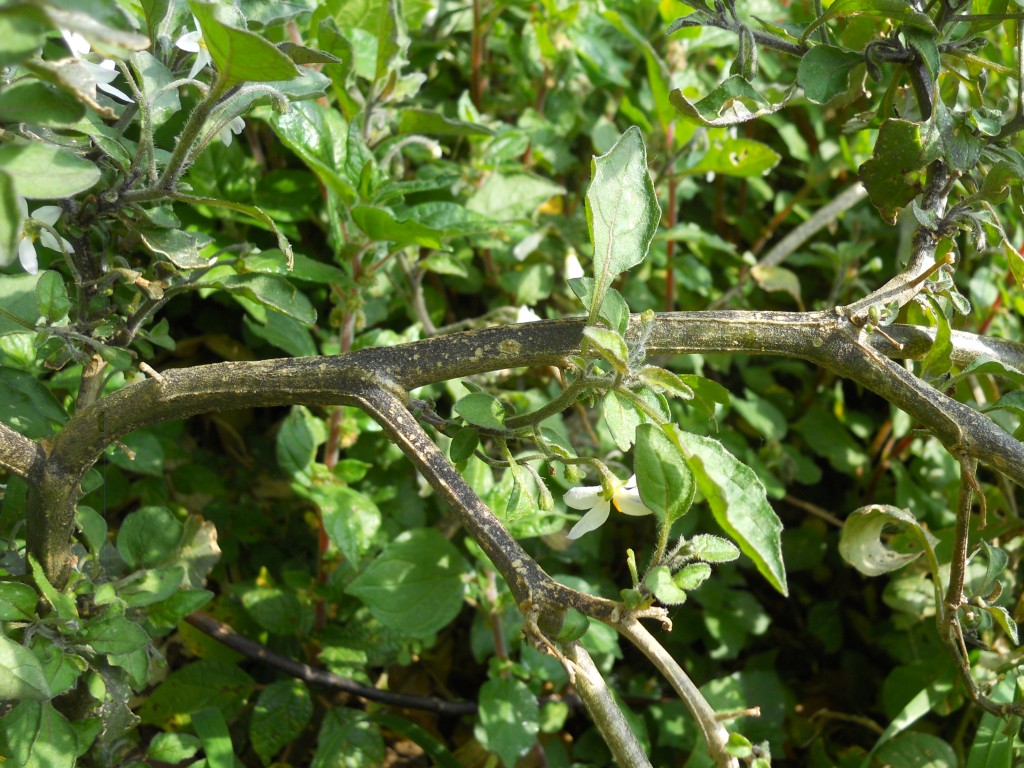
point(862, 543)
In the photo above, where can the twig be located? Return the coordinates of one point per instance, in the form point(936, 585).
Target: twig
point(251, 649)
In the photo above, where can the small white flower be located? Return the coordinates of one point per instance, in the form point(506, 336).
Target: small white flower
point(103, 73)
point(236, 126)
point(46, 214)
point(625, 497)
point(192, 42)
point(573, 268)
point(526, 315)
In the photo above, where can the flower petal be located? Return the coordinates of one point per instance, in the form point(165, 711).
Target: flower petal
point(48, 214)
point(584, 497)
point(591, 521)
point(628, 502)
point(27, 255)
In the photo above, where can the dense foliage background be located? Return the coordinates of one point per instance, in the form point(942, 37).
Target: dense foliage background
point(367, 173)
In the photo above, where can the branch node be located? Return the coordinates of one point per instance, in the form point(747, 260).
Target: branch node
point(147, 369)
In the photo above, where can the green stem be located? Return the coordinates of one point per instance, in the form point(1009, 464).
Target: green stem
point(569, 396)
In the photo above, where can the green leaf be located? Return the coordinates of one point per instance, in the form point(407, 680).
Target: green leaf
point(916, 750)
point(63, 603)
point(173, 747)
point(180, 248)
point(153, 77)
point(610, 345)
point(348, 738)
point(513, 196)
point(167, 613)
point(381, 225)
point(939, 359)
point(35, 102)
point(736, 157)
point(155, 585)
point(463, 445)
point(148, 536)
point(282, 712)
point(661, 584)
point(481, 410)
point(296, 443)
point(613, 311)
point(824, 72)
point(27, 406)
point(621, 418)
point(415, 585)
point(891, 175)
point(738, 501)
point(996, 737)
point(351, 519)
point(193, 687)
point(17, 294)
point(271, 291)
point(52, 296)
point(17, 601)
point(278, 610)
point(62, 669)
point(896, 10)
point(691, 576)
point(23, 29)
point(862, 545)
point(240, 55)
point(44, 172)
point(712, 549)
point(21, 673)
point(36, 734)
point(11, 225)
point(212, 730)
point(318, 135)
point(431, 123)
point(622, 211)
point(253, 212)
point(733, 102)
point(663, 380)
point(1003, 618)
point(114, 635)
point(664, 480)
point(509, 718)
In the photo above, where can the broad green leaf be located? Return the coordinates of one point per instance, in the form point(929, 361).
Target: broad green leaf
point(274, 262)
point(481, 410)
point(154, 76)
point(691, 576)
point(513, 196)
point(348, 738)
point(663, 478)
point(34, 733)
point(63, 603)
point(1002, 617)
point(191, 688)
point(664, 380)
point(240, 55)
point(155, 585)
point(283, 332)
point(148, 536)
point(862, 545)
point(27, 406)
point(917, 750)
point(712, 549)
point(761, 414)
point(92, 525)
point(296, 442)
point(733, 102)
point(251, 211)
point(35, 102)
point(415, 585)
point(23, 29)
point(433, 123)
point(609, 345)
point(613, 310)
point(509, 718)
point(282, 712)
point(271, 291)
point(994, 741)
point(17, 601)
point(664, 587)
point(114, 635)
point(167, 613)
point(824, 72)
point(463, 445)
point(212, 729)
point(52, 295)
point(939, 359)
point(62, 669)
point(890, 176)
point(773, 278)
point(382, 225)
point(622, 211)
point(21, 673)
point(278, 610)
point(738, 501)
point(17, 299)
point(180, 248)
point(318, 135)
point(737, 157)
point(621, 418)
point(351, 519)
point(46, 172)
point(895, 10)
point(173, 747)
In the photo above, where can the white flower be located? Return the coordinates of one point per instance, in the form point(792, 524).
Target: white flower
point(573, 268)
point(526, 315)
point(625, 497)
point(193, 43)
point(236, 126)
point(103, 73)
point(47, 214)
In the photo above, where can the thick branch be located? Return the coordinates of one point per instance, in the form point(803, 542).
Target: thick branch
point(18, 454)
